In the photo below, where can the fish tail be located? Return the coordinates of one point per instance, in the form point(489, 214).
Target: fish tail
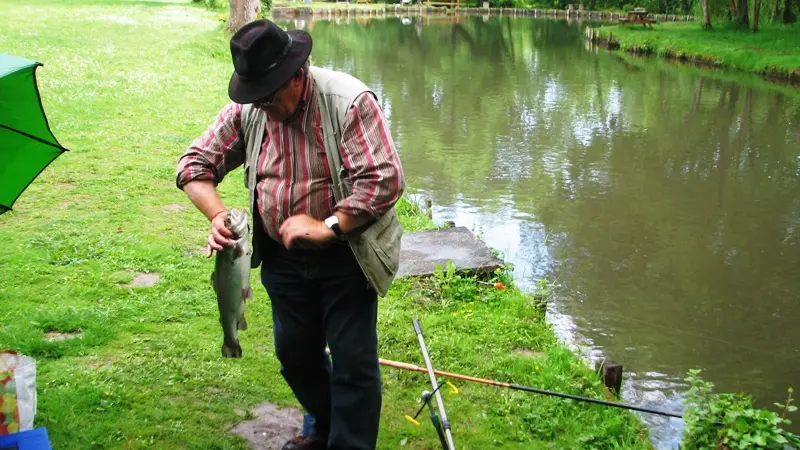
point(231, 350)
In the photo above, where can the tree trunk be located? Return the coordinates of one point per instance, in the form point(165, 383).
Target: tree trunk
point(698, 92)
point(242, 12)
point(776, 15)
point(706, 16)
point(756, 14)
point(732, 13)
point(788, 14)
point(744, 16)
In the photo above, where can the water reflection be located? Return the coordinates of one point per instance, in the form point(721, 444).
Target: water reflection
point(663, 203)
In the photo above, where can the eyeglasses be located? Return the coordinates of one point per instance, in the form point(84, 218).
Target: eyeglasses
point(266, 101)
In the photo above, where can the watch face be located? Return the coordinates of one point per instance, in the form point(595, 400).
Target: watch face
point(332, 222)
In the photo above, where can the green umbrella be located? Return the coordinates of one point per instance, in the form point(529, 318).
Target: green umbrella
point(27, 146)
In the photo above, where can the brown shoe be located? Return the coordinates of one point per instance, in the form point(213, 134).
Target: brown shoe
point(304, 443)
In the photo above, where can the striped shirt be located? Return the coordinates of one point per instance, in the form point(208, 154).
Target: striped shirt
point(293, 176)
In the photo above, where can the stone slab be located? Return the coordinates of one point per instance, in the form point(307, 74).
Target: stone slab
point(422, 251)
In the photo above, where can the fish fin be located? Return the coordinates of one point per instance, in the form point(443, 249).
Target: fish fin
point(242, 323)
point(233, 350)
point(212, 280)
point(247, 293)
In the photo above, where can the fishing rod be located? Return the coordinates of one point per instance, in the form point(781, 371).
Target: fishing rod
point(517, 387)
point(444, 425)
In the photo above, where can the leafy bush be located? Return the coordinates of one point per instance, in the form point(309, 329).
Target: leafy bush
point(729, 421)
point(453, 287)
point(266, 7)
point(212, 4)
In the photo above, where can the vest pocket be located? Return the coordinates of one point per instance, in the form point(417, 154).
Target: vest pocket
point(385, 241)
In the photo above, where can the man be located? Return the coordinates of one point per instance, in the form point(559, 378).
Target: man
point(323, 176)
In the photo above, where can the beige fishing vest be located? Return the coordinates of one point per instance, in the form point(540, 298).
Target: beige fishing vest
point(377, 249)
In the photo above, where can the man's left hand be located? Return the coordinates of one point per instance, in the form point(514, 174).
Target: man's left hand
point(304, 228)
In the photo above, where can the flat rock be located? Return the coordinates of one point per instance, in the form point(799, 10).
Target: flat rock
point(422, 251)
point(271, 428)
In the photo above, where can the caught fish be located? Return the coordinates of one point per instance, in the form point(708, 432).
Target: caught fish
point(231, 282)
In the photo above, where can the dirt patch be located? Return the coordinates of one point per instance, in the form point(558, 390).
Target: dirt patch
point(55, 336)
point(170, 15)
point(530, 353)
point(271, 428)
point(143, 280)
point(72, 200)
point(194, 252)
point(99, 365)
point(175, 207)
point(114, 19)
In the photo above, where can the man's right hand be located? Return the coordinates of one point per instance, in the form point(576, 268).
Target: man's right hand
point(203, 194)
point(219, 236)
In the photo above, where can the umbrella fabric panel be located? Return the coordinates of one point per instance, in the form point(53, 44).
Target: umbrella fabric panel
point(11, 63)
point(27, 146)
point(21, 109)
point(22, 160)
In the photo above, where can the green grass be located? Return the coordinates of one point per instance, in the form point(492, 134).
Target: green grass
point(127, 85)
point(774, 50)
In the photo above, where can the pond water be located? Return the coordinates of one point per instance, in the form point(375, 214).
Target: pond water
point(661, 202)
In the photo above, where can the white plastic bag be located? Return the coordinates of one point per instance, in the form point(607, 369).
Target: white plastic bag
point(17, 392)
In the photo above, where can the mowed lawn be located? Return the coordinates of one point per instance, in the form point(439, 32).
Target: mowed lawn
point(772, 51)
point(127, 85)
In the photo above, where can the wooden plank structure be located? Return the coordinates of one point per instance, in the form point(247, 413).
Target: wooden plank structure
point(449, 4)
point(638, 16)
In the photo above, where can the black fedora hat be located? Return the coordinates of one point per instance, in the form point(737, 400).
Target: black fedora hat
point(265, 57)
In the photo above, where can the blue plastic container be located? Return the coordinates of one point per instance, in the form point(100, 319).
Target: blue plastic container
point(35, 439)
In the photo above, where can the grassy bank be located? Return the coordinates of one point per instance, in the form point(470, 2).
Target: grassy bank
point(772, 52)
point(284, 7)
point(127, 85)
point(318, 5)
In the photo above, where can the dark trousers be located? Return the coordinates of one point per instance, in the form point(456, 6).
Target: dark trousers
point(319, 297)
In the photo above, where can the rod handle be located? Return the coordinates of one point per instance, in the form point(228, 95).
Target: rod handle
point(416, 326)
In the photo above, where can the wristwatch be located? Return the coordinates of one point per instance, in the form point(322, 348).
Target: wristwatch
point(332, 222)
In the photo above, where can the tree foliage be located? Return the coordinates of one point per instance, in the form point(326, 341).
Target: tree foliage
point(737, 12)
